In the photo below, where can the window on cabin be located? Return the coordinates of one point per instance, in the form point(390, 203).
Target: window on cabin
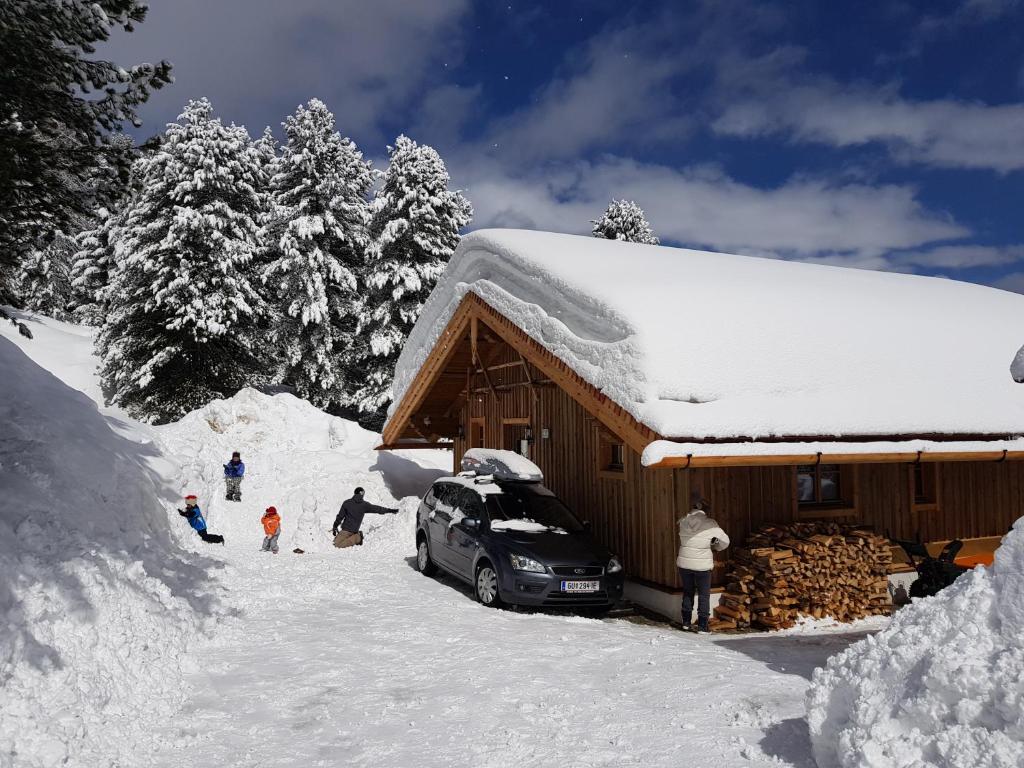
point(924, 484)
point(611, 455)
point(819, 484)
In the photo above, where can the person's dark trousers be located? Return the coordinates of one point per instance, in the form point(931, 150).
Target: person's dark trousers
point(696, 583)
point(211, 538)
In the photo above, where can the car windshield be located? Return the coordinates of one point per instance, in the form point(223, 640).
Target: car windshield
point(531, 501)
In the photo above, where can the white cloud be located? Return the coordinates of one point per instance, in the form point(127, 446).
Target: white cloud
point(962, 256)
point(1011, 282)
point(616, 88)
point(803, 218)
point(942, 133)
point(258, 59)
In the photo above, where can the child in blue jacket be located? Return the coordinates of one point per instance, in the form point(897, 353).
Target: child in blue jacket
point(195, 518)
point(234, 471)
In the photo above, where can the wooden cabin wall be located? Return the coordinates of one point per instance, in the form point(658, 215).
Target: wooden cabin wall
point(634, 515)
point(974, 499)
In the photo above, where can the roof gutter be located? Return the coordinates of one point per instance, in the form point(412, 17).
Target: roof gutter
point(905, 457)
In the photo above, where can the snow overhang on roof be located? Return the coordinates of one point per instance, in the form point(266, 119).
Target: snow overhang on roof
point(700, 346)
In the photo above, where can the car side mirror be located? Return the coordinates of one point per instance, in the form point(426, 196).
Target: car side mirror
point(472, 523)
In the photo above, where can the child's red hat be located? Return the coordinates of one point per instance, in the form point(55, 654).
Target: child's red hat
point(191, 496)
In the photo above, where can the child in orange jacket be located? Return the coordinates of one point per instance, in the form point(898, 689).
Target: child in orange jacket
point(272, 527)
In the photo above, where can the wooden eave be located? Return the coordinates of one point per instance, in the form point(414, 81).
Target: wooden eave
point(761, 460)
point(406, 423)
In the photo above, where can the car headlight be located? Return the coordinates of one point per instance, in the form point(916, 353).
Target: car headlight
point(614, 566)
point(521, 563)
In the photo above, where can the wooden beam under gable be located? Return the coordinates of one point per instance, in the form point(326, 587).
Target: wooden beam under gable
point(614, 417)
point(444, 349)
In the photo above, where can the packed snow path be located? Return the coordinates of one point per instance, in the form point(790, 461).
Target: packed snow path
point(354, 658)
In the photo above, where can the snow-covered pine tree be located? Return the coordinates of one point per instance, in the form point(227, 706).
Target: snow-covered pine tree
point(45, 281)
point(91, 268)
point(624, 220)
point(181, 326)
point(317, 236)
point(59, 107)
point(266, 146)
point(414, 231)
point(94, 258)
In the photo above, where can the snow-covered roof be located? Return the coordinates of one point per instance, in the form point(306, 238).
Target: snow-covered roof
point(699, 345)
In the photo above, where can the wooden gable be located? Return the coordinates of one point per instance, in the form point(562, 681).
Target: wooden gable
point(463, 359)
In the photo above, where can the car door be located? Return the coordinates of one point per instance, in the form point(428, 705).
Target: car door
point(439, 521)
point(463, 540)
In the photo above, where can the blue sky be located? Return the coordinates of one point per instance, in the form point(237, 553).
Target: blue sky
point(882, 135)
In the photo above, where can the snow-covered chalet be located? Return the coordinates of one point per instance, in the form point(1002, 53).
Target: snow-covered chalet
point(634, 375)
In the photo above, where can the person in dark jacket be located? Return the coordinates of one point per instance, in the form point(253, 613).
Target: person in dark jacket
point(350, 517)
point(195, 518)
point(234, 471)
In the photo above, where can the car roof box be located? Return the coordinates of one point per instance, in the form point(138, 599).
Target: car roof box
point(502, 465)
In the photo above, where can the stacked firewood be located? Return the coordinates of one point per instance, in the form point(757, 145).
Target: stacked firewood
point(814, 569)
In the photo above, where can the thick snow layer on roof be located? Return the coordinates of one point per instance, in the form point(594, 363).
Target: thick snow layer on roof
point(697, 344)
point(940, 686)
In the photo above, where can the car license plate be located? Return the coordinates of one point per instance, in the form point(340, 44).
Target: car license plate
point(580, 586)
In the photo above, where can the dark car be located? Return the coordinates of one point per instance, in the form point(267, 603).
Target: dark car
point(516, 543)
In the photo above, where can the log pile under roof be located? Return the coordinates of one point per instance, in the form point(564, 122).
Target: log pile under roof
point(806, 569)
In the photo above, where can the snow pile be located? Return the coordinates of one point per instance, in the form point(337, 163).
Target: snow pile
point(697, 344)
point(942, 685)
point(98, 606)
point(298, 459)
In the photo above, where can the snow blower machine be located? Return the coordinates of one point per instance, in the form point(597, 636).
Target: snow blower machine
point(933, 573)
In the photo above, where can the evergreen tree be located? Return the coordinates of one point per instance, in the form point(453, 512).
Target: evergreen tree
point(59, 106)
point(624, 220)
point(317, 238)
point(91, 268)
point(266, 146)
point(46, 278)
point(93, 261)
point(181, 327)
point(414, 231)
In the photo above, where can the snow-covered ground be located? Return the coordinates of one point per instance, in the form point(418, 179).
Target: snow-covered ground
point(351, 657)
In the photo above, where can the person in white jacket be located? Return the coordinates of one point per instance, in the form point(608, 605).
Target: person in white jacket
point(698, 536)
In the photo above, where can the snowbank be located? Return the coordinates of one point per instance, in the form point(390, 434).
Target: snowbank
point(299, 459)
point(942, 685)
point(98, 605)
point(696, 344)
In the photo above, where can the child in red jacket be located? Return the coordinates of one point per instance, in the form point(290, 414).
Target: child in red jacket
point(272, 528)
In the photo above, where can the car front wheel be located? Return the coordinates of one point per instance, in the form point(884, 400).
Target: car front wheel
point(486, 585)
point(423, 562)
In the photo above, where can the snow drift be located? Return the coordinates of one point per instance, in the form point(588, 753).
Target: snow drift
point(942, 685)
point(298, 459)
point(98, 605)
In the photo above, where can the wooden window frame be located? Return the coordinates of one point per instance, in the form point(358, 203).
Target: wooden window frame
point(519, 421)
point(929, 473)
point(474, 422)
point(607, 445)
point(845, 506)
